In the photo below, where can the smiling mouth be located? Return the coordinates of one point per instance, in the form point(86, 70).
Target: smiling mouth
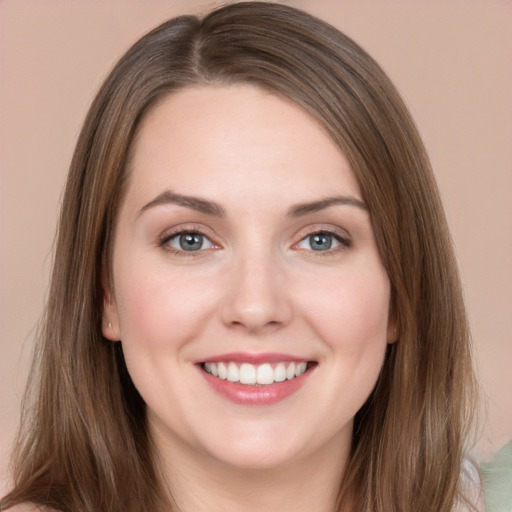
point(257, 375)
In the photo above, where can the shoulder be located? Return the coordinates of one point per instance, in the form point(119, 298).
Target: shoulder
point(471, 487)
point(496, 478)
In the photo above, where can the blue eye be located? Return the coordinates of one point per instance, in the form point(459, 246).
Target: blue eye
point(322, 241)
point(188, 242)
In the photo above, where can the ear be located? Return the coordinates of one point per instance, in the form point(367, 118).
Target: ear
point(393, 331)
point(109, 315)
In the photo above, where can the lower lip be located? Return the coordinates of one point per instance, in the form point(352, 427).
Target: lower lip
point(246, 394)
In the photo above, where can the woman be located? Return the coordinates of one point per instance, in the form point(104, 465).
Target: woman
point(212, 343)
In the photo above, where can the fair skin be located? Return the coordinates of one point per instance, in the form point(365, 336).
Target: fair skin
point(243, 238)
point(264, 275)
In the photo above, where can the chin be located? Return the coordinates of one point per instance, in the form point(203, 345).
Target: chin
point(255, 459)
point(268, 446)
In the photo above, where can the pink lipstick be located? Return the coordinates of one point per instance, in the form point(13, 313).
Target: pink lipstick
point(256, 379)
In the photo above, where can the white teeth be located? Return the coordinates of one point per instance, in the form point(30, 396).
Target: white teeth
point(290, 371)
point(233, 373)
point(265, 374)
point(247, 374)
point(262, 374)
point(223, 371)
point(300, 369)
point(280, 372)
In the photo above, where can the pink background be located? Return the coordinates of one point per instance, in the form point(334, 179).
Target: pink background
point(450, 60)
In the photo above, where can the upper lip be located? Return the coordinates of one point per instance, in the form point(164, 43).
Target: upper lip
point(254, 358)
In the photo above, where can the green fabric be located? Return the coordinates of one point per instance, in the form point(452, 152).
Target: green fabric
point(497, 481)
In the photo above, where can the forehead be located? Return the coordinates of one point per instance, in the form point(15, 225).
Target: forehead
point(238, 138)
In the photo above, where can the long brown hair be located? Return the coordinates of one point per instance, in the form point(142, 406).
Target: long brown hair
point(84, 444)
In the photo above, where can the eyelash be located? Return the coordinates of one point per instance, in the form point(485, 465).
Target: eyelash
point(163, 242)
point(345, 243)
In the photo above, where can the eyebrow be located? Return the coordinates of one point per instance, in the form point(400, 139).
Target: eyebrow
point(315, 206)
point(194, 203)
point(212, 208)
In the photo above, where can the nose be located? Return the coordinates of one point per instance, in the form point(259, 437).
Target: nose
point(256, 298)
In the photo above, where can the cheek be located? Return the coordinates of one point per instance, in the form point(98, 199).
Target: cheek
point(159, 308)
point(350, 310)
point(351, 318)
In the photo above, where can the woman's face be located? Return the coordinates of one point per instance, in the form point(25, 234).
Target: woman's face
point(244, 252)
